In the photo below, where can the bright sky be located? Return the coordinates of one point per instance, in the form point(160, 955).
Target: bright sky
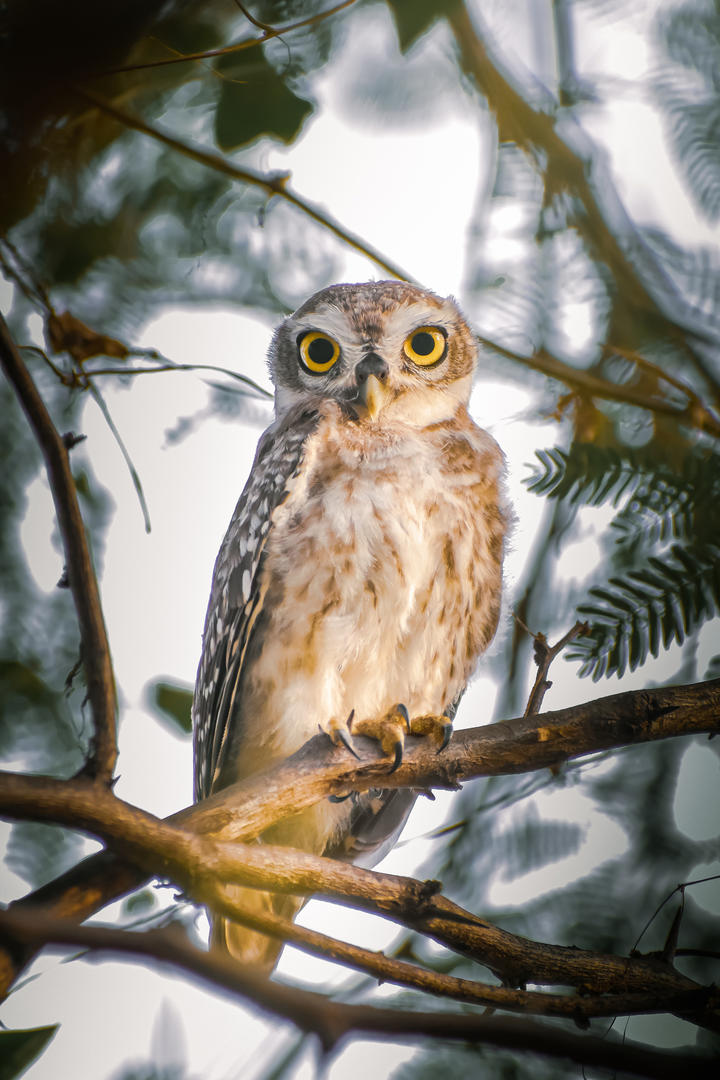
point(155, 587)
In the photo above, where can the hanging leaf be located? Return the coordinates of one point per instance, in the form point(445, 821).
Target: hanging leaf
point(255, 101)
point(18, 1049)
point(173, 704)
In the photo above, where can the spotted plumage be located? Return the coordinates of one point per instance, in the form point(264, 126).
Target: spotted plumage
point(362, 566)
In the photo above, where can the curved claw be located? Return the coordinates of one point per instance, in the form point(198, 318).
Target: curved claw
point(447, 735)
point(398, 756)
point(339, 798)
point(343, 736)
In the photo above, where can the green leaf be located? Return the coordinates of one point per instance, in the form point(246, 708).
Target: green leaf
point(255, 101)
point(173, 703)
point(414, 17)
point(18, 1049)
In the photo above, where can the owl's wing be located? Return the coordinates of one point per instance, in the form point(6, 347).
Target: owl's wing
point(236, 597)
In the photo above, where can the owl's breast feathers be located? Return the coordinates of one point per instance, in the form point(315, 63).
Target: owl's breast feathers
point(362, 568)
point(380, 581)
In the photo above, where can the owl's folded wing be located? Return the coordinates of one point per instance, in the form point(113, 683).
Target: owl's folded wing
point(236, 597)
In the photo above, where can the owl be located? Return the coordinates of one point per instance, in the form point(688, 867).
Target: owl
point(360, 577)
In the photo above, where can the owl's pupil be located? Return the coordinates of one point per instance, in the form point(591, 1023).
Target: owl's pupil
point(321, 351)
point(423, 343)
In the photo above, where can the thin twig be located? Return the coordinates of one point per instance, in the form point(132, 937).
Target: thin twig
point(263, 394)
point(209, 54)
point(81, 573)
point(274, 185)
point(544, 654)
point(134, 475)
point(695, 414)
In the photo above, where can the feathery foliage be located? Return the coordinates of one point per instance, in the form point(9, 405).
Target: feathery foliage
point(667, 592)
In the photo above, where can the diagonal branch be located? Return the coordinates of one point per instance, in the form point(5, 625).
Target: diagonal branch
point(334, 1021)
point(273, 184)
point(402, 973)
point(535, 131)
point(81, 573)
point(268, 34)
point(693, 412)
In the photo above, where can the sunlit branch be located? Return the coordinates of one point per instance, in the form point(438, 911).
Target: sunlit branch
point(274, 185)
point(334, 1021)
point(268, 34)
point(81, 573)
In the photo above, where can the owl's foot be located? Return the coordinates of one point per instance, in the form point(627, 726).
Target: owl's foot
point(339, 733)
point(389, 730)
point(437, 728)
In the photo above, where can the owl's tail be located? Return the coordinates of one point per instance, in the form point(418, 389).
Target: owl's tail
point(251, 947)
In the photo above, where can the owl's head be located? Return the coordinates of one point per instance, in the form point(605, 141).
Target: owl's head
point(386, 351)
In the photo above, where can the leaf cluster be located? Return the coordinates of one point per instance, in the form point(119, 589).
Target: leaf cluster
point(666, 530)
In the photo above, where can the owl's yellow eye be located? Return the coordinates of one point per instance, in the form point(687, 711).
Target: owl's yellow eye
point(425, 346)
point(318, 352)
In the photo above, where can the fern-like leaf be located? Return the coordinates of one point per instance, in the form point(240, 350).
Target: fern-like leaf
point(648, 609)
point(588, 474)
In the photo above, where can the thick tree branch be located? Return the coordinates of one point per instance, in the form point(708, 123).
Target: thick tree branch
point(81, 574)
point(334, 1022)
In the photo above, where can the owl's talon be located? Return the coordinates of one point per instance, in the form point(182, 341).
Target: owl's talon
point(397, 762)
point(447, 735)
point(342, 735)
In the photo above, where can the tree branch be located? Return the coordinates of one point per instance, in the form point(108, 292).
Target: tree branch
point(695, 413)
point(272, 184)
point(333, 1021)
point(534, 131)
point(81, 574)
point(268, 34)
point(402, 973)
point(199, 859)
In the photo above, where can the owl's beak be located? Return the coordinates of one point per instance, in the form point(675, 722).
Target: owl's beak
point(371, 377)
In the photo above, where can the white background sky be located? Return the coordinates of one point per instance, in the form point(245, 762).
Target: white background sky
point(155, 587)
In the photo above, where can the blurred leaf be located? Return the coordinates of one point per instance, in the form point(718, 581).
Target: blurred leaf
point(38, 852)
point(173, 703)
point(689, 91)
point(255, 101)
point(140, 903)
point(18, 1049)
point(414, 17)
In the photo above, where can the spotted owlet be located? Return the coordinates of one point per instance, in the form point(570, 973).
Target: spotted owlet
point(359, 579)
